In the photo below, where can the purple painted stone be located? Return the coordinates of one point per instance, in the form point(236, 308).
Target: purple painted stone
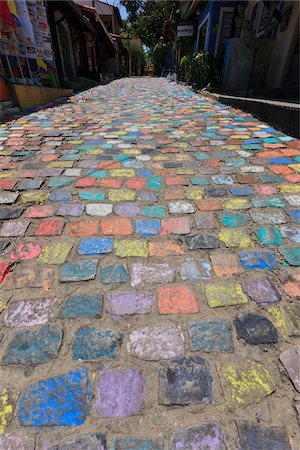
point(261, 290)
point(88, 164)
point(127, 209)
point(151, 273)
point(130, 302)
point(51, 172)
point(73, 210)
point(206, 436)
point(120, 393)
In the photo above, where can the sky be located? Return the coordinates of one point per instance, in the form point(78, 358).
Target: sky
point(121, 8)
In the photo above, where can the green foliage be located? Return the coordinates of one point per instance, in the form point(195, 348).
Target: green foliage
point(149, 19)
point(199, 68)
point(138, 60)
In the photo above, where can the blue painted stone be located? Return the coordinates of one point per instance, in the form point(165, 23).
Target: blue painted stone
point(28, 185)
point(270, 178)
point(240, 191)
point(234, 218)
point(292, 232)
point(82, 306)
point(143, 173)
point(294, 214)
point(114, 273)
point(268, 202)
point(155, 182)
point(271, 140)
point(222, 179)
point(253, 259)
point(81, 271)
point(252, 147)
point(133, 164)
point(202, 436)
point(121, 158)
point(210, 336)
point(269, 236)
point(201, 156)
point(235, 162)
point(291, 253)
point(91, 344)
point(92, 195)
point(59, 401)
point(280, 161)
point(95, 246)
point(258, 437)
point(70, 158)
point(60, 195)
point(56, 182)
point(200, 181)
point(135, 443)
point(192, 269)
point(86, 442)
point(97, 173)
point(154, 211)
point(147, 227)
point(34, 347)
point(297, 158)
point(184, 381)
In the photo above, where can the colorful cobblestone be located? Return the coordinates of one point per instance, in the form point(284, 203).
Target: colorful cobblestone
point(141, 224)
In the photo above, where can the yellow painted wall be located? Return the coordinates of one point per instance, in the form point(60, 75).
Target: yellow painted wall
point(30, 96)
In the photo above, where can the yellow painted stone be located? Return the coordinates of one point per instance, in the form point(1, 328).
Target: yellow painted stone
point(289, 188)
point(231, 147)
point(3, 304)
point(119, 195)
point(127, 247)
point(55, 253)
point(6, 409)
point(221, 295)
point(122, 173)
point(34, 197)
point(277, 319)
point(186, 171)
point(237, 203)
point(295, 167)
point(95, 151)
point(245, 384)
point(235, 238)
point(194, 194)
point(182, 144)
point(132, 151)
point(7, 174)
point(240, 136)
point(161, 158)
point(6, 152)
point(76, 142)
point(60, 164)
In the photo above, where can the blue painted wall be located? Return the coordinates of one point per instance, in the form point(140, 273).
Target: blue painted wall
point(212, 9)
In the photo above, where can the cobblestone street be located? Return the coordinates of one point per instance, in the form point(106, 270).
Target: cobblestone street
point(149, 271)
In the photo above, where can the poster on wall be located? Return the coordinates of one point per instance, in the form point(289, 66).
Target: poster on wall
point(26, 49)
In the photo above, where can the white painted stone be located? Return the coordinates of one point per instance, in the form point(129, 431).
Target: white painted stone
point(293, 199)
point(151, 273)
point(252, 169)
point(269, 217)
point(72, 172)
point(6, 198)
point(155, 343)
point(181, 207)
point(99, 209)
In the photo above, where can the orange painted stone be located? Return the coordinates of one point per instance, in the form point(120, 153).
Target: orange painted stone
point(225, 264)
point(111, 182)
point(174, 194)
point(83, 228)
point(280, 170)
point(162, 249)
point(177, 300)
point(136, 183)
point(116, 227)
point(209, 205)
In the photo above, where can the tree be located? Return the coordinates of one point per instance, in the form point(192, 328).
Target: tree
point(150, 19)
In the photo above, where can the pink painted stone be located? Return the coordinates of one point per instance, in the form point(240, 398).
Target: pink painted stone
point(265, 189)
point(14, 228)
point(26, 251)
point(27, 313)
point(39, 211)
point(179, 225)
point(120, 393)
point(290, 358)
point(151, 273)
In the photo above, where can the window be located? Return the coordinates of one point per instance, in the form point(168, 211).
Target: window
point(202, 34)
